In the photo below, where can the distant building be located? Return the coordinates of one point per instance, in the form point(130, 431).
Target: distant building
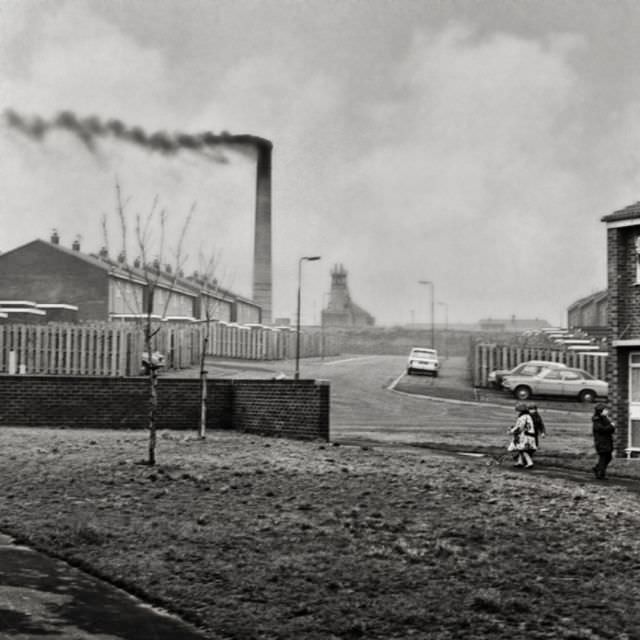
point(589, 314)
point(511, 325)
point(341, 311)
point(55, 280)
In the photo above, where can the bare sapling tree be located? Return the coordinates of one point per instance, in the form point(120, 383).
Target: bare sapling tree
point(148, 301)
point(211, 298)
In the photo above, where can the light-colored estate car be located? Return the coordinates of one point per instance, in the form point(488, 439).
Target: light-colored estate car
point(529, 368)
point(423, 360)
point(568, 383)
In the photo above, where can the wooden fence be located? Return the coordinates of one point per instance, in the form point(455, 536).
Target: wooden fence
point(115, 348)
point(489, 357)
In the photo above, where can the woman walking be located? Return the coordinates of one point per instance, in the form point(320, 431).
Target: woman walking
point(524, 437)
point(603, 430)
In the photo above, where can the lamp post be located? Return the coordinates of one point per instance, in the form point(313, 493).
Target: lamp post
point(433, 338)
point(300, 261)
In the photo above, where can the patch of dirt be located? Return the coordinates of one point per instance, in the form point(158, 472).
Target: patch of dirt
point(255, 538)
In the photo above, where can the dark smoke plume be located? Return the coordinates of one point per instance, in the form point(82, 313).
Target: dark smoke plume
point(88, 130)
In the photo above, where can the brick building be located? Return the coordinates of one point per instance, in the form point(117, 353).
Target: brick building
point(50, 277)
point(589, 314)
point(623, 276)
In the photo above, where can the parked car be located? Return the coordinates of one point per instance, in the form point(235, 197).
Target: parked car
point(529, 368)
point(156, 361)
point(568, 383)
point(423, 360)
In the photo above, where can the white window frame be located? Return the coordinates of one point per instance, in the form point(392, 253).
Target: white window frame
point(633, 415)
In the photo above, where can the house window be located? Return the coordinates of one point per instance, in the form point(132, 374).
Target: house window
point(637, 256)
point(633, 438)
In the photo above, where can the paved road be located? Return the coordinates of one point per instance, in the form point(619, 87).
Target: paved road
point(372, 398)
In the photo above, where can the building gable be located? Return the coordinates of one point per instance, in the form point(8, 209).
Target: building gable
point(51, 274)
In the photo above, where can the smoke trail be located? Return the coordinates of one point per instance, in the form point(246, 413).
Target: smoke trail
point(89, 130)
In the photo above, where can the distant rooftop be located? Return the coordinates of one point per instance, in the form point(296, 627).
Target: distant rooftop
point(628, 213)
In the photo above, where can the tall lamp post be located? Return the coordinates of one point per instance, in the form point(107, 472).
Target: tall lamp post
point(300, 261)
point(433, 338)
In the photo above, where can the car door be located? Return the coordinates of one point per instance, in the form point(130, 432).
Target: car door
point(547, 383)
point(572, 383)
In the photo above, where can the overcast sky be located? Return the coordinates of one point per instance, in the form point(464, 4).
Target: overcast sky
point(473, 144)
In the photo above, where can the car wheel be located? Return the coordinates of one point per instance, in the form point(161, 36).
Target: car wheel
point(522, 392)
point(587, 396)
point(409, 371)
point(435, 374)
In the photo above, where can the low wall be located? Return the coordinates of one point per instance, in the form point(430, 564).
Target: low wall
point(291, 408)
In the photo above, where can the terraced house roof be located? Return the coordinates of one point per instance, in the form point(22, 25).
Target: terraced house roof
point(628, 213)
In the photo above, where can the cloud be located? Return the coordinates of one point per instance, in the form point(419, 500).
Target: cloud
point(85, 64)
point(468, 183)
point(462, 161)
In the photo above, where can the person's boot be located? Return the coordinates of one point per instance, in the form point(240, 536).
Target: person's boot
point(527, 459)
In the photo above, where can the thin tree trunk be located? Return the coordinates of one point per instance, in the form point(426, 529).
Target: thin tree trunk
point(153, 391)
point(203, 383)
point(153, 405)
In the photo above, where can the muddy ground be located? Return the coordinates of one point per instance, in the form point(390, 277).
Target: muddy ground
point(252, 537)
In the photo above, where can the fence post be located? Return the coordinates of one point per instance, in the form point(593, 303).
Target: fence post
point(12, 363)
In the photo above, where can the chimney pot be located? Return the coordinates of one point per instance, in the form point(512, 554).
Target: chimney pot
point(76, 245)
point(55, 238)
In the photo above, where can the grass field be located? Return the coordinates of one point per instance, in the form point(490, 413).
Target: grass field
point(256, 538)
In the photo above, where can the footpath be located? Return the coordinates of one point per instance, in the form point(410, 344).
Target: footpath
point(43, 597)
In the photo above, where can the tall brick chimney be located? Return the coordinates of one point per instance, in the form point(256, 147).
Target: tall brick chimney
point(262, 284)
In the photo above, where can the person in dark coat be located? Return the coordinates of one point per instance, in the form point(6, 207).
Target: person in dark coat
point(538, 424)
point(603, 430)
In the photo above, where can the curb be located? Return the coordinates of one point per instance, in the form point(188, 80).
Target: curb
point(474, 403)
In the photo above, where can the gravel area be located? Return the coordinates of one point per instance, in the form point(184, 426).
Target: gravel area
point(258, 538)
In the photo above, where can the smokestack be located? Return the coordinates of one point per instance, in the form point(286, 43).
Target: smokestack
point(88, 130)
point(262, 289)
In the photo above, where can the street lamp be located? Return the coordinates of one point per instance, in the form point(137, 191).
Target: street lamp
point(300, 261)
point(433, 339)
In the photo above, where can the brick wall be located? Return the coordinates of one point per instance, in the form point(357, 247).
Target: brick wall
point(290, 408)
point(301, 410)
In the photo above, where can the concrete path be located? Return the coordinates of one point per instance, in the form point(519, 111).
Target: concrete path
point(42, 597)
